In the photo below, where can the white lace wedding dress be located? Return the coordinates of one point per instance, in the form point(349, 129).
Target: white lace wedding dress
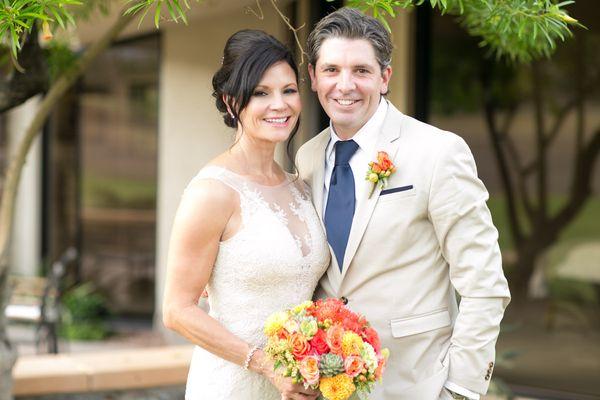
point(274, 261)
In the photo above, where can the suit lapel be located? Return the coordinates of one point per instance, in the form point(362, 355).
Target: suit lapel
point(319, 172)
point(388, 142)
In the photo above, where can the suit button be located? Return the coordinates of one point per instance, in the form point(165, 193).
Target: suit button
point(491, 365)
point(487, 377)
point(344, 300)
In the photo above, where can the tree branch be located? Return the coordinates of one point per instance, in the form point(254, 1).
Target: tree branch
point(62, 84)
point(513, 152)
point(581, 189)
point(489, 109)
point(560, 119)
point(542, 190)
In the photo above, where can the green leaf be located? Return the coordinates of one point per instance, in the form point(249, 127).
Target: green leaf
point(157, 15)
point(387, 8)
point(181, 12)
point(57, 16)
point(385, 24)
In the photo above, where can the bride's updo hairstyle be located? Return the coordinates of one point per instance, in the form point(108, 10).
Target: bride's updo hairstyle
point(247, 55)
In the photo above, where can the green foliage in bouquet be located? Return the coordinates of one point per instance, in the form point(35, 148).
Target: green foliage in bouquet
point(84, 314)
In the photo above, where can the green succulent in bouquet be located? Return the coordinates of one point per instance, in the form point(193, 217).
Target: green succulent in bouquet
point(331, 365)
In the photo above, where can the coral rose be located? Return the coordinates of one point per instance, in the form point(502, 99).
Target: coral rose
point(299, 344)
point(334, 338)
point(372, 338)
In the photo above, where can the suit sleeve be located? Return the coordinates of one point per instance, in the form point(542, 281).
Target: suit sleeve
point(469, 243)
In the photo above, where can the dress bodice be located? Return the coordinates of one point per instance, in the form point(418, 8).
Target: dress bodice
point(272, 262)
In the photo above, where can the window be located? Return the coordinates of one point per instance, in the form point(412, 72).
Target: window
point(118, 122)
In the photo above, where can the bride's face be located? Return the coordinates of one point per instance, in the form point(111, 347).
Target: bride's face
point(275, 106)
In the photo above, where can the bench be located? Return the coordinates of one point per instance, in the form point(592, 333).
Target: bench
point(101, 371)
point(37, 300)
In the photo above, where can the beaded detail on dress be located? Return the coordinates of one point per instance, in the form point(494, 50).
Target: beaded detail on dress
point(274, 261)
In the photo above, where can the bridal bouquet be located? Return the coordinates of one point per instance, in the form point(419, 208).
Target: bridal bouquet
point(324, 345)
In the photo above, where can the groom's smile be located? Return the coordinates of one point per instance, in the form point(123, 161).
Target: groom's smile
point(349, 82)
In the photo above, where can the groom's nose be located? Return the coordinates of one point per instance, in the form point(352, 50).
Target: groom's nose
point(346, 82)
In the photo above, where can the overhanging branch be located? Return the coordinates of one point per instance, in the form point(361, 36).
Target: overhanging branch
point(58, 89)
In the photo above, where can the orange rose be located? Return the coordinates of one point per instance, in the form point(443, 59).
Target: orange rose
point(353, 365)
point(386, 164)
point(376, 168)
point(309, 368)
point(334, 338)
point(299, 345)
point(384, 161)
point(381, 155)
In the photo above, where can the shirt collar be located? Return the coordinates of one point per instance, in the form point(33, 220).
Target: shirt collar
point(366, 137)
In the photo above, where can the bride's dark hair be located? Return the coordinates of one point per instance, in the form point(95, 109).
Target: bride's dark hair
point(247, 55)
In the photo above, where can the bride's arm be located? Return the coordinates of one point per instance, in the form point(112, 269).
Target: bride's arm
point(201, 219)
point(208, 212)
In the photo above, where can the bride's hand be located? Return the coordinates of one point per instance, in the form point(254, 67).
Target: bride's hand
point(288, 389)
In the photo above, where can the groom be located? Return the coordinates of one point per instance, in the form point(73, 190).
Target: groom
point(399, 254)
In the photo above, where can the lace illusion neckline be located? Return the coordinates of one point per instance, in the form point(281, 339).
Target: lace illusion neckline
point(286, 180)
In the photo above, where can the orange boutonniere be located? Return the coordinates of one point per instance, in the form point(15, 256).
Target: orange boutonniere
point(380, 171)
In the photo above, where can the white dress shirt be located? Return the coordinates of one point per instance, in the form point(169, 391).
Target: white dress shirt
point(366, 138)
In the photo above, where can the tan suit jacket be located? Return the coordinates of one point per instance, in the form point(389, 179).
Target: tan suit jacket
point(407, 253)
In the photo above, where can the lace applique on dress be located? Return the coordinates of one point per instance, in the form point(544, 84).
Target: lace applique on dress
point(275, 260)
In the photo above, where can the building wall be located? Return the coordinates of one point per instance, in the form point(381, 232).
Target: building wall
point(25, 243)
point(401, 85)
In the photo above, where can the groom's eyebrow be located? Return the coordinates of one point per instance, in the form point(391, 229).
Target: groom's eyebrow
point(324, 66)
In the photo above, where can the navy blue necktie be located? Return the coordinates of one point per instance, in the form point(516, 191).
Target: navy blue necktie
point(341, 200)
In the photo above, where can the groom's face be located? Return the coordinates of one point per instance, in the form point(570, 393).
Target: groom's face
point(349, 82)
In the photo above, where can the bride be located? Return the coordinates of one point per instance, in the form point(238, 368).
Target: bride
point(246, 231)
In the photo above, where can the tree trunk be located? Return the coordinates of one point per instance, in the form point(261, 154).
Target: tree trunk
point(8, 354)
point(528, 254)
point(13, 175)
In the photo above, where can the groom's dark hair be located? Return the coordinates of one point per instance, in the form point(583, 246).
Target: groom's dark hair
point(349, 23)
